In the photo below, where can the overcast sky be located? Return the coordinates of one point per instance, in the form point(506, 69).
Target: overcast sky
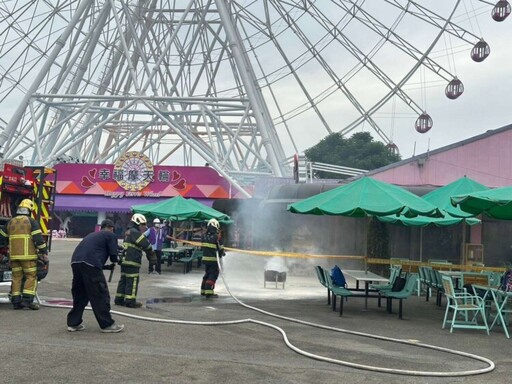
point(485, 104)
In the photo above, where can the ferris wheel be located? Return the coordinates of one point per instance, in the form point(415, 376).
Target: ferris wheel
point(239, 84)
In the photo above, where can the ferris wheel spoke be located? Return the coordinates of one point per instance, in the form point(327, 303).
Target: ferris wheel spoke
point(225, 82)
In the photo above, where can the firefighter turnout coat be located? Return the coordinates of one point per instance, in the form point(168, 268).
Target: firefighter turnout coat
point(25, 243)
point(25, 238)
point(134, 244)
point(210, 246)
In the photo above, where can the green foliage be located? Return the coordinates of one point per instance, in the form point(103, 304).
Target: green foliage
point(378, 240)
point(359, 151)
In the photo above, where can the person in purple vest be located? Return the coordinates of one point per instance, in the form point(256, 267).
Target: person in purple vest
point(156, 237)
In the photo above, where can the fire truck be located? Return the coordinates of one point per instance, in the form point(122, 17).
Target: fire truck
point(18, 182)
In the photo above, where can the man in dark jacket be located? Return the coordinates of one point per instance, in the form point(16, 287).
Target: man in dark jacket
point(25, 244)
point(89, 283)
point(134, 244)
point(210, 246)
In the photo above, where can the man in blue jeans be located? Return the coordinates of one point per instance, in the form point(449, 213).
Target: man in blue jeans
point(89, 283)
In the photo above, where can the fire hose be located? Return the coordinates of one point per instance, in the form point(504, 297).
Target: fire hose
point(490, 364)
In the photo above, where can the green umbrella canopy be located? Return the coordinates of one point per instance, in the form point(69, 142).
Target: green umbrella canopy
point(423, 221)
point(365, 197)
point(496, 203)
point(441, 197)
point(180, 209)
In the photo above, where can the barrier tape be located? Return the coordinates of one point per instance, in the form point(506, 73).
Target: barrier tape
point(412, 265)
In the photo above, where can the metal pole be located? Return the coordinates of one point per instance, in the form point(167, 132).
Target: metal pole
point(7, 135)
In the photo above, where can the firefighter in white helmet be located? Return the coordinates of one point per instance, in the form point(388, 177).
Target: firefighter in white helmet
point(211, 245)
point(25, 244)
point(134, 244)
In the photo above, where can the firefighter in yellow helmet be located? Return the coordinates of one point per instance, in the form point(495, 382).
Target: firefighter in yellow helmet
point(25, 243)
point(211, 245)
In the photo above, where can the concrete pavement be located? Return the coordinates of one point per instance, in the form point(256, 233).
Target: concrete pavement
point(37, 348)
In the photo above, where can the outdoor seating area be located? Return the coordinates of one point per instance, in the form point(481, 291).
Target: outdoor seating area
point(465, 304)
point(498, 310)
point(370, 290)
point(473, 299)
point(185, 255)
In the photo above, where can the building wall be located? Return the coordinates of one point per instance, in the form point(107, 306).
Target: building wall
point(487, 160)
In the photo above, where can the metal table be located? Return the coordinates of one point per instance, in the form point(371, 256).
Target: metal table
point(500, 299)
point(367, 277)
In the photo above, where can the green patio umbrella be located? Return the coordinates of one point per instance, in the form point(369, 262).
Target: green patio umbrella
point(423, 221)
point(441, 197)
point(180, 209)
point(496, 203)
point(366, 197)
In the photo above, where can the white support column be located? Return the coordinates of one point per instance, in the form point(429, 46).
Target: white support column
point(101, 216)
point(250, 82)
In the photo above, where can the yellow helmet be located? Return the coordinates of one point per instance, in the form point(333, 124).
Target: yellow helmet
point(27, 203)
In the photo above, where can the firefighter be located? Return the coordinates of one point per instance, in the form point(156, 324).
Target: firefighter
point(134, 244)
point(25, 244)
point(211, 245)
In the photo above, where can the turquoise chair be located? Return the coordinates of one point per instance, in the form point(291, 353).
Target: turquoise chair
point(423, 280)
point(465, 304)
point(336, 291)
point(321, 278)
point(427, 280)
point(409, 288)
point(495, 278)
point(394, 272)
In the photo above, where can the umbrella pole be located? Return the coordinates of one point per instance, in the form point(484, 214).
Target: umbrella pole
point(463, 242)
point(421, 244)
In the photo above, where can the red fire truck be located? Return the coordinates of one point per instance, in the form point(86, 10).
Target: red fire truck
point(18, 182)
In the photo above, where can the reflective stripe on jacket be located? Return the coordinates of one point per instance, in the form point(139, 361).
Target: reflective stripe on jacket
point(134, 244)
point(210, 246)
point(25, 238)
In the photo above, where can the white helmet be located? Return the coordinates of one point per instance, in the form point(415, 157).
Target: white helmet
point(139, 219)
point(156, 221)
point(214, 223)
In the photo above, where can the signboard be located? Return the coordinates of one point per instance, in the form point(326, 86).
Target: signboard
point(133, 175)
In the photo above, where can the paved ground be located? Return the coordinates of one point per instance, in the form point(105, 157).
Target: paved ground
point(37, 348)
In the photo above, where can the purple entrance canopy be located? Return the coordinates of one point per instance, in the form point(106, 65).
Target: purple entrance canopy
point(89, 203)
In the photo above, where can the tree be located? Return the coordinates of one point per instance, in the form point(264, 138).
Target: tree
point(359, 151)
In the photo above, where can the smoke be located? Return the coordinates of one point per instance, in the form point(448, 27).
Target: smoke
point(276, 264)
point(266, 225)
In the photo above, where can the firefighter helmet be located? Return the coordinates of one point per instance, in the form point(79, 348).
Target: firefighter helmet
point(26, 203)
point(139, 219)
point(214, 223)
point(156, 221)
